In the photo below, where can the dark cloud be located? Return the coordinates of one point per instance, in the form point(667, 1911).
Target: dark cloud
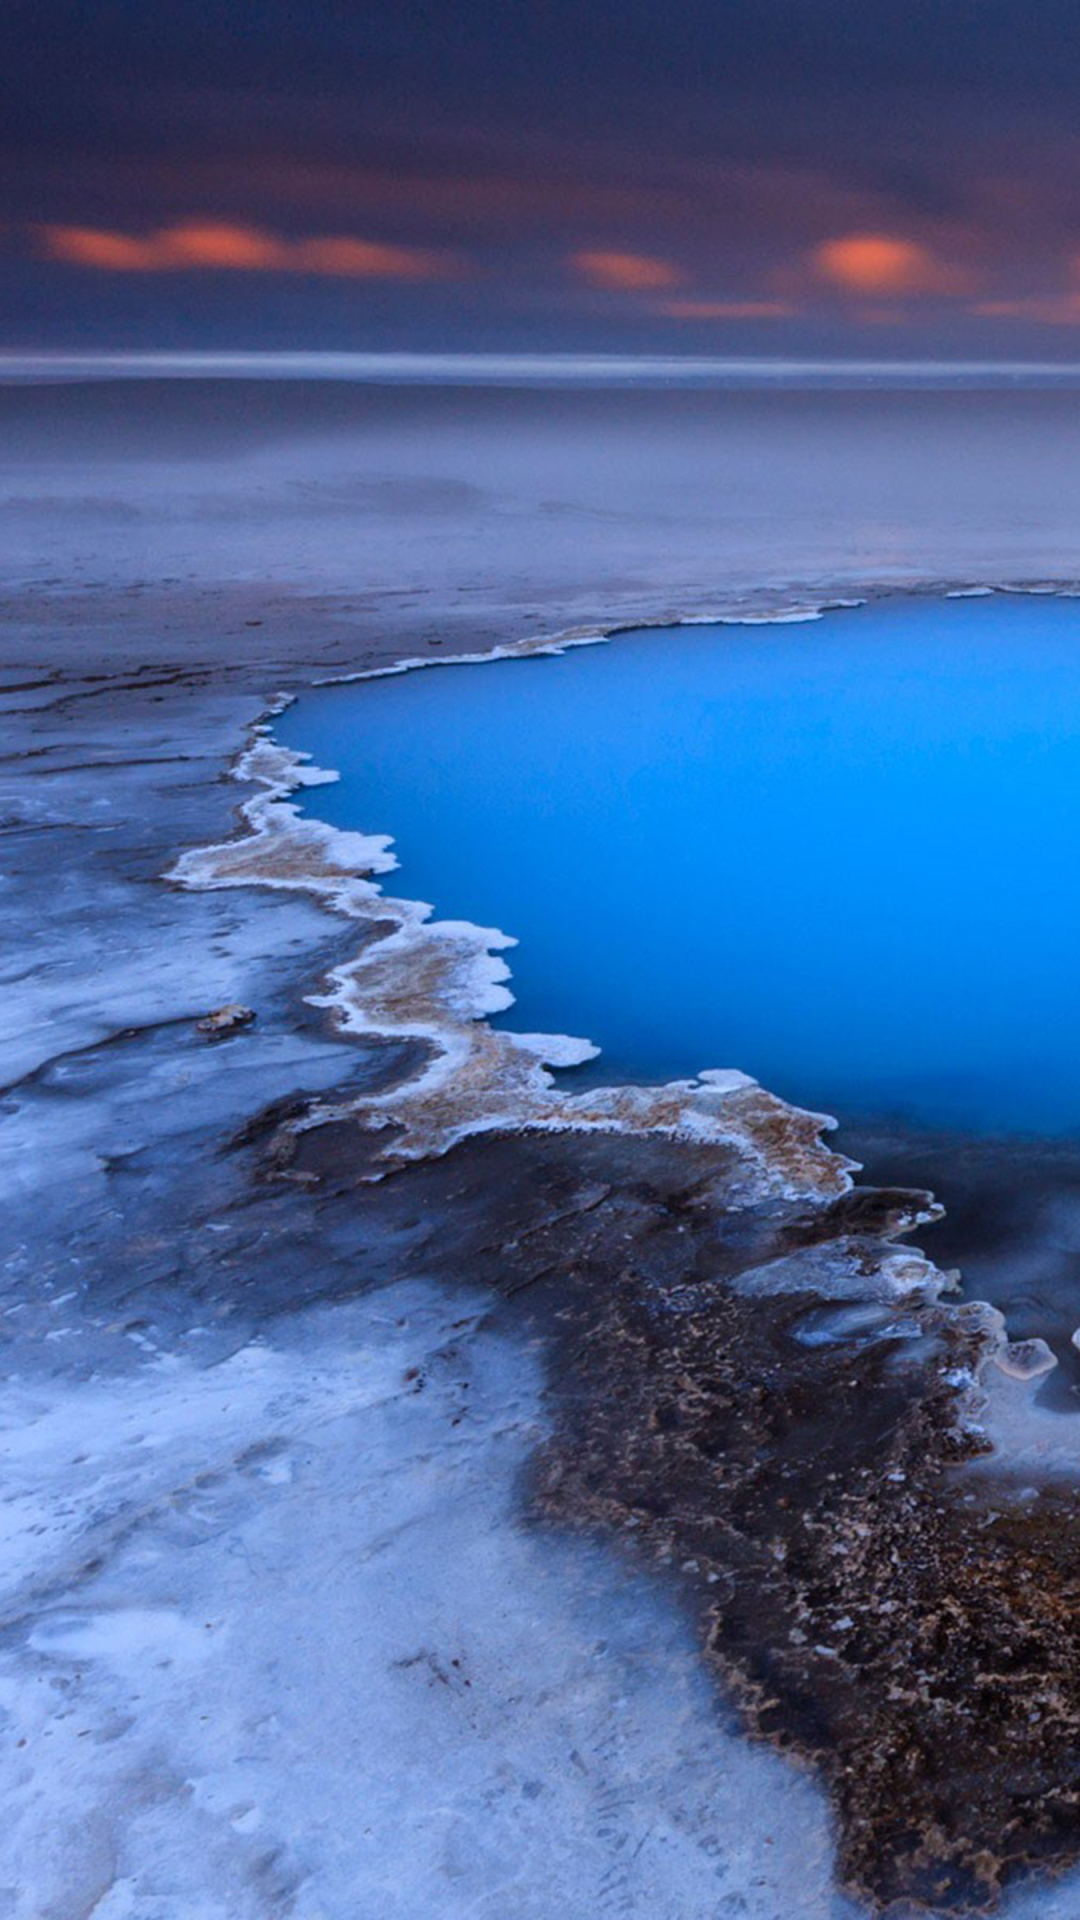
point(726, 139)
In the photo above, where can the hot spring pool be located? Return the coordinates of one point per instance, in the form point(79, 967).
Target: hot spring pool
point(842, 855)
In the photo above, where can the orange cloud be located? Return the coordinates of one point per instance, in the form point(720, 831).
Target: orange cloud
point(213, 243)
point(222, 246)
point(882, 263)
point(366, 259)
point(626, 272)
point(726, 309)
point(86, 247)
point(1053, 310)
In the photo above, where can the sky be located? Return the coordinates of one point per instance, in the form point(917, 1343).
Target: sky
point(849, 177)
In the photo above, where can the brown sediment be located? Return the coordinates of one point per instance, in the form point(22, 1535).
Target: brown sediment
point(919, 1645)
point(869, 1607)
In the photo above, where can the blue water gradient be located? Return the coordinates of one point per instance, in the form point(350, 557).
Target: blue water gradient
point(844, 856)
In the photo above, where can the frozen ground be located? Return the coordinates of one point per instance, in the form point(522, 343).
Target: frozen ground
point(277, 1638)
point(438, 510)
point(314, 1666)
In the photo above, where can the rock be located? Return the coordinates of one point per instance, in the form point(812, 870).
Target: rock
point(227, 1019)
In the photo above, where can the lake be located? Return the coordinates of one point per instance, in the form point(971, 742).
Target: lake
point(843, 855)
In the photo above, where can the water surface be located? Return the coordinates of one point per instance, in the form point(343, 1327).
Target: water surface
point(843, 855)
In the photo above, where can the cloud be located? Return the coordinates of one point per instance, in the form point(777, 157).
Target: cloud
point(625, 272)
point(1049, 310)
point(1060, 309)
point(883, 263)
point(222, 246)
point(726, 309)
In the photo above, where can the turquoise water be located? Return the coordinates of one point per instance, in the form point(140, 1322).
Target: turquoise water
point(843, 855)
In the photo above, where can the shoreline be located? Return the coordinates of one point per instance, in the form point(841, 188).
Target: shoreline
point(435, 982)
point(551, 1222)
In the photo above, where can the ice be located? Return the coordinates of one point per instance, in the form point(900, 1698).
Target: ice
point(358, 1685)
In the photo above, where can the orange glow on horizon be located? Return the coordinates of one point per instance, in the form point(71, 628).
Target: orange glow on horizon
point(882, 263)
point(223, 246)
point(626, 272)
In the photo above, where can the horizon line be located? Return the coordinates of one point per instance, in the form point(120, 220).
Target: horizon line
point(39, 366)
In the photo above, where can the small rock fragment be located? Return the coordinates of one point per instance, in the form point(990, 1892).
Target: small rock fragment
point(227, 1019)
point(1025, 1359)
